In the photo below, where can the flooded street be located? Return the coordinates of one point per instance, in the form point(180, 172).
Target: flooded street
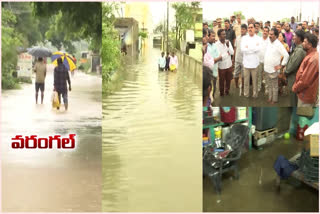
point(255, 191)
point(52, 180)
point(152, 139)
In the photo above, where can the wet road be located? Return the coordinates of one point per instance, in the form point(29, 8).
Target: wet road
point(255, 190)
point(53, 181)
point(234, 99)
point(151, 139)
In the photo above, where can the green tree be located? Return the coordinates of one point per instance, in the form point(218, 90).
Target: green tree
point(26, 24)
point(195, 4)
point(288, 20)
point(239, 12)
point(185, 19)
point(78, 19)
point(56, 35)
point(110, 51)
point(43, 27)
point(143, 34)
point(159, 28)
point(11, 40)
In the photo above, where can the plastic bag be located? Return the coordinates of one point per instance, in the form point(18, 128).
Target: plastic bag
point(172, 67)
point(55, 100)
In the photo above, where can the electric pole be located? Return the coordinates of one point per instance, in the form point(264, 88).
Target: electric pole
point(300, 12)
point(163, 33)
point(167, 26)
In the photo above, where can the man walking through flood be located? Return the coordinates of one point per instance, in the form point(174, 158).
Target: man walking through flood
point(162, 62)
point(167, 62)
point(61, 77)
point(41, 70)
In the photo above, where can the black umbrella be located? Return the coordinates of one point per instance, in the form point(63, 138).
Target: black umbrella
point(40, 52)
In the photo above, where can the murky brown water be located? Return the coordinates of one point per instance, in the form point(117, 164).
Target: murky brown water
point(255, 191)
point(152, 140)
point(53, 181)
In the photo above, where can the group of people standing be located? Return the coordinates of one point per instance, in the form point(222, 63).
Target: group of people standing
point(285, 54)
point(168, 63)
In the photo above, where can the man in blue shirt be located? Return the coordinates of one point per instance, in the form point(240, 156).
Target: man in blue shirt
point(293, 24)
point(212, 49)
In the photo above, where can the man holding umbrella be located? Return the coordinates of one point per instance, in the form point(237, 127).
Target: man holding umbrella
point(61, 77)
point(41, 70)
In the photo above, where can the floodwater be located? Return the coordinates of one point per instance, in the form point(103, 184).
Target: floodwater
point(52, 180)
point(152, 139)
point(255, 191)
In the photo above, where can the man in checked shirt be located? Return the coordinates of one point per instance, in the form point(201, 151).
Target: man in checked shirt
point(61, 77)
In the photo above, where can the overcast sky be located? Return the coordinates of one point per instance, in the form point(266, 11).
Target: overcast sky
point(159, 11)
point(261, 10)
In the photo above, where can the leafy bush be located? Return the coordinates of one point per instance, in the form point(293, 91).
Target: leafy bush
point(25, 80)
point(81, 67)
point(110, 52)
point(85, 66)
point(143, 34)
point(11, 40)
point(8, 81)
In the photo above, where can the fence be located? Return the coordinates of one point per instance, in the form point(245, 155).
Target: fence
point(190, 63)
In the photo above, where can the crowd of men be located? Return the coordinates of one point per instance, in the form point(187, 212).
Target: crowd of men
point(278, 56)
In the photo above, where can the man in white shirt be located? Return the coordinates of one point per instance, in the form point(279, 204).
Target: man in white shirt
point(273, 64)
point(162, 62)
point(238, 68)
point(250, 47)
point(264, 43)
point(225, 65)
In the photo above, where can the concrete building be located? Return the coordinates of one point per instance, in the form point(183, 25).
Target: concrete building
point(128, 34)
point(140, 11)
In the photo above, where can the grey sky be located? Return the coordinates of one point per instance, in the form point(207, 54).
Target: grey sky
point(159, 11)
point(261, 10)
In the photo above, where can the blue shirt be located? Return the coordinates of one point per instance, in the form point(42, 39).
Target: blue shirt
point(212, 49)
point(293, 26)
